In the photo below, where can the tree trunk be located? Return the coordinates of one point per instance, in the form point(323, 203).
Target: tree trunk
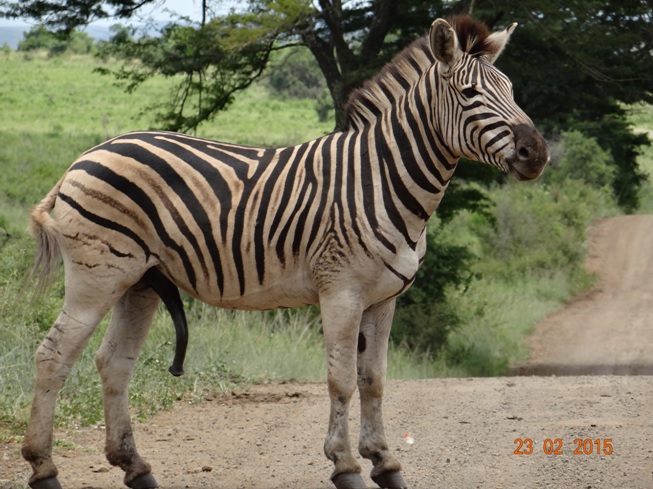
point(338, 63)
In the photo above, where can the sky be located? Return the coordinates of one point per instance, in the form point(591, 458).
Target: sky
point(159, 11)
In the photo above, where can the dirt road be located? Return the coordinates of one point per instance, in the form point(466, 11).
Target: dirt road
point(609, 330)
point(512, 432)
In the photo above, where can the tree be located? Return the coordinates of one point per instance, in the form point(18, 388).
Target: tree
point(214, 62)
point(65, 15)
point(573, 64)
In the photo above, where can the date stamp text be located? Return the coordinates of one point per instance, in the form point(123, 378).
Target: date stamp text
point(556, 446)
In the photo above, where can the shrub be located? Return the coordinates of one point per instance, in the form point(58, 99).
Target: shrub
point(538, 228)
point(296, 75)
point(39, 38)
point(578, 157)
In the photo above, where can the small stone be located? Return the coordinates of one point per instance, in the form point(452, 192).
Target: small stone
point(207, 468)
point(100, 469)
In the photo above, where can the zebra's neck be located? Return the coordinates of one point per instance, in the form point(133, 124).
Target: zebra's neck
point(401, 107)
point(413, 166)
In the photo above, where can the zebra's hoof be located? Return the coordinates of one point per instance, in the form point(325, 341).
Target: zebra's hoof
point(144, 481)
point(348, 480)
point(47, 483)
point(390, 480)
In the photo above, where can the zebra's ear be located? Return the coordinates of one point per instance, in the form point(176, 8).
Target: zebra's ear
point(497, 41)
point(444, 44)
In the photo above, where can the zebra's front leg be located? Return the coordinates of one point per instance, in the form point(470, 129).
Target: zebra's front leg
point(372, 367)
point(341, 314)
point(54, 361)
point(123, 341)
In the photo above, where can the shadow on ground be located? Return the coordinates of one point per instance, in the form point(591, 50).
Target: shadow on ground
point(561, 370)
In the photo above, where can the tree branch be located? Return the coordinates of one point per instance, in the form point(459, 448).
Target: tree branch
point(332, 16)
point(384, 13)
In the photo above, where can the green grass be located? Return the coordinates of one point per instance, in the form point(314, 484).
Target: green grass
point(64, 95)
point(497, 316)
point(61, 96)
point(259, 120)
point(55, 108)
point(642, 118)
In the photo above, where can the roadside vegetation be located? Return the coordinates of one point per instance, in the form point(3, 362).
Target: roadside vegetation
point(492, 272)
point(642, 118)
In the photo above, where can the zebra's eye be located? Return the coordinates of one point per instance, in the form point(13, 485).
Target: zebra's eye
point(469, 92)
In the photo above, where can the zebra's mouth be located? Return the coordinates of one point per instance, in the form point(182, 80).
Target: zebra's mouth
point(523, 174)
point(530, 155)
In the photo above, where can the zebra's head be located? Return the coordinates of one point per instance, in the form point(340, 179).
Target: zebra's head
point(483, 122)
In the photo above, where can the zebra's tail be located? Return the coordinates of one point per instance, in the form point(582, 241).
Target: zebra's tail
point(44, 230)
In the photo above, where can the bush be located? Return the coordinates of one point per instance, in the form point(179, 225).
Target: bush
point(538, 228)
point(578, 157)
point(296, 75)
point(39, 38)
point(511, 245)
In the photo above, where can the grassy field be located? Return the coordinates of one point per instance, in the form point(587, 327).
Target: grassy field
point(53, 109)
point(64, 95)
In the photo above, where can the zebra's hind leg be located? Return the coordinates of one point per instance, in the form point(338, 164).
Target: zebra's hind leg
point(341, 315)
point(123, 341)
point(81, 313)
point(372, 367)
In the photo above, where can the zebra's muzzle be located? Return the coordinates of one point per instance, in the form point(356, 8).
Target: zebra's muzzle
point(531, 153)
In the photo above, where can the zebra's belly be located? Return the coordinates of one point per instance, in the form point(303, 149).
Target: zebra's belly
point(291, 290)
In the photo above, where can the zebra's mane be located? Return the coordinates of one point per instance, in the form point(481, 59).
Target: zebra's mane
point(381, 91)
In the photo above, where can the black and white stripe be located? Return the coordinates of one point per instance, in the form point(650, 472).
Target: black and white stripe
point(230, 215)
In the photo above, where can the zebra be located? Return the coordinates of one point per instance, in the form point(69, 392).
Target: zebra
point(338, 221)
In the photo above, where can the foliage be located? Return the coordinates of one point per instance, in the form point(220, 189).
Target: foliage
point(296, 75)
point(555, 50)
point(212, 62)
point(531, 255)
point(543, 232)
point(520, 230)
point(566, 78)
point(38, 37)
point(581, 158)
point(614, 131)
point(460, 195)
point(66, 16)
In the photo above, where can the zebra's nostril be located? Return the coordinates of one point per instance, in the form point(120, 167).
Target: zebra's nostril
point(523, 153)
